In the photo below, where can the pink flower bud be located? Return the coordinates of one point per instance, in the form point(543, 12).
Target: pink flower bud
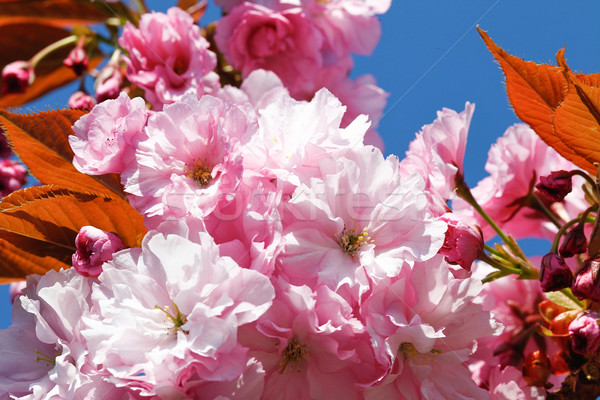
point(463, 243)
point(94, 247)
point(574, 242)
point(77, 60)
point(586, 284)
point(16, 77)
point(81, 100)
point(15, 290)
point(555, 274)
point(13, 175)
point(585, 334)
point(556, 185)
point(108, 83)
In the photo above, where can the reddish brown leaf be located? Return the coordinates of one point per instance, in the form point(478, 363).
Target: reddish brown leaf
point(535, 92)
point(21, 42)
point(42, 222)
point(53, 12)
point(577, 121)
point(17, 262)
point(40, 140)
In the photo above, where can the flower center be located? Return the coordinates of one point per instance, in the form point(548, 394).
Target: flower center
point(410, 351)
point(351, 240)
point(292, 355)
point(175, 316)
point(200, 172)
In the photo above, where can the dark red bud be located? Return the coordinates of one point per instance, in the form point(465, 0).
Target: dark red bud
point(556, 185)
point(555, 274)
point(586, 284)
point(574, 242)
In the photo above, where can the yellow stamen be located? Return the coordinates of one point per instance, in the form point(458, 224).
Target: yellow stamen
point(176, 317)
point(292, 355)
point(351, 240)
point(200, 172)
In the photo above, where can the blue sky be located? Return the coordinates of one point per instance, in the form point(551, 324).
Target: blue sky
point(430, 56)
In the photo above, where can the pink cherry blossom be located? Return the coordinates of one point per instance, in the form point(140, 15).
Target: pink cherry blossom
point(190, 160)
point(286, 42)
point(48, 353)
point(13, 175)
point(105, 138)
point(295, 135)
point(361, 96)
point(94, 247)
point(508, 384)
point(169, 313)
point(167, 56)
point(424, 324)
point(361, 222)
point(311, 346)
point(348, 25)
point(438, 150)
point(515, 162)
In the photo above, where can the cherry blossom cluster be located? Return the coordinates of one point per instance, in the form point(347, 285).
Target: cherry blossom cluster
point(283, 255)
point(288, 258)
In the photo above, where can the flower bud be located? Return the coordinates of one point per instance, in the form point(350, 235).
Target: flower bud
point(537, 369)
point(81, 100)
point(556, 185)
point(463, 243)
point(108, 83)
point(555, 274)
point(586, 284)
point(574, 242)
point(16, 77)
point(77, 60)
point(94, 247)
point(13, 175)
point(585, 334)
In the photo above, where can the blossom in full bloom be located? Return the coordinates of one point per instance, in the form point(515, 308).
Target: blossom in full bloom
point(169, 313)
point(424, 324)
point(308, 341)
point(507, 195)
point(94, 247)
point(168, 56)
point(190, 160)
point(361, 96)
point(47, 351)
point(286, 42)
point(437, 153)
point(105, 138)
point(361, 222)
